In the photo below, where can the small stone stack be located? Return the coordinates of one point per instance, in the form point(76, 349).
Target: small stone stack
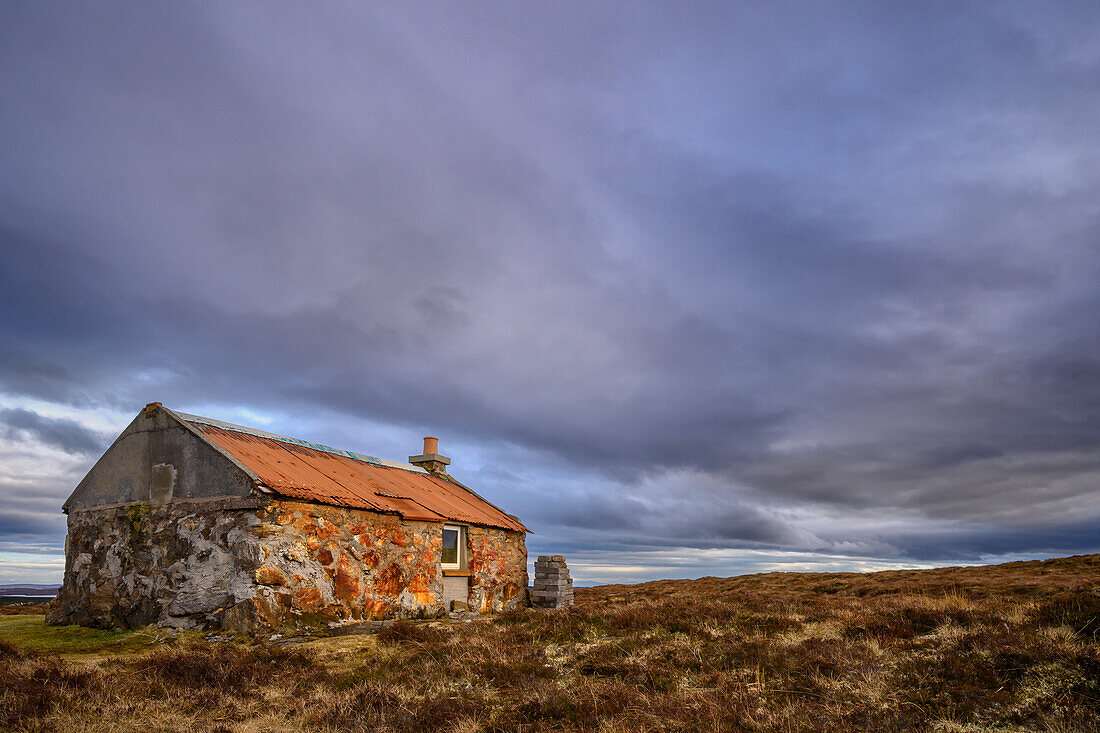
point(553, 586)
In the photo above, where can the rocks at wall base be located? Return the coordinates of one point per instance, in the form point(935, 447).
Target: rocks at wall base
point(553, 587)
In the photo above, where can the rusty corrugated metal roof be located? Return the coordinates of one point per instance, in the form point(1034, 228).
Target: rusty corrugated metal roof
point(316, 472)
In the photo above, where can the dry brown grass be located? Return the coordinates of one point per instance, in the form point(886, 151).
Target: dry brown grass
point(22, 609)
point(1006, 648)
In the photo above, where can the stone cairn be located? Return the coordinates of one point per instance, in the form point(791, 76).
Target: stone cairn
point(553, 586)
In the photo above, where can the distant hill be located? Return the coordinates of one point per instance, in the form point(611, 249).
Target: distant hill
point(1021, 579)
point(28, 590)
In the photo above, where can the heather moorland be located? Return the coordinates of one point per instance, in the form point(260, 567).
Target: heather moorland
point(997, 648)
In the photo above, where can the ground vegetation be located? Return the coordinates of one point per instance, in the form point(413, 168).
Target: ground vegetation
point(1012, 647)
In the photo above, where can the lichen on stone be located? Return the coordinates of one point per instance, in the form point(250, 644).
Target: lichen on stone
point(136, 514)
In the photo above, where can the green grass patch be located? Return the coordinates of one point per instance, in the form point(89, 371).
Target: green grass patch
point(32, 633)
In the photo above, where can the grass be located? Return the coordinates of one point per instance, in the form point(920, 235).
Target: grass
point(1004, 648)
point(30, 633)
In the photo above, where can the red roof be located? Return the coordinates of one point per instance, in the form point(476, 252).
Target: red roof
point(317, 473)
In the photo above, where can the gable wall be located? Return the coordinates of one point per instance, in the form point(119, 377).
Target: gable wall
point(157, 460)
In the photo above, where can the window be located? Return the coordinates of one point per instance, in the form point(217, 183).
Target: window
point(454, 547)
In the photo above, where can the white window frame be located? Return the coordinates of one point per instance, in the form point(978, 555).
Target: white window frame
point(461, 564)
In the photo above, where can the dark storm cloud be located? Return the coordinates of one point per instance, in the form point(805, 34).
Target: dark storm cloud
point(25, 374)
point(31, 520)
point(970, 543)
point(16, 526)
point(669, 518)
point(730, 269)
point(68, 435)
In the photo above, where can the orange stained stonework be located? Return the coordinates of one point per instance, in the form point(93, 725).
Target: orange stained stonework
point(357, 564)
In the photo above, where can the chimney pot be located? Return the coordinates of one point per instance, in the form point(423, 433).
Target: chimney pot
point(430, 460)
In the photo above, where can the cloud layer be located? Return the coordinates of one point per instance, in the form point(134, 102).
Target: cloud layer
point(675, 280)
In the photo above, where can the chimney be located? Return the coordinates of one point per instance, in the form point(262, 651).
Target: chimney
point(430, 460)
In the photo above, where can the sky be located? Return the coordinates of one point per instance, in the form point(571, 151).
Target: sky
point(693, 289)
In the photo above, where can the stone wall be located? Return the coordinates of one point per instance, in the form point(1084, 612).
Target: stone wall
point(350, 564)
point(233, 564)
point(184, 564)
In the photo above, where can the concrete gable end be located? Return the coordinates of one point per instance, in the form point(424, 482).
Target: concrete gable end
point(157, 460)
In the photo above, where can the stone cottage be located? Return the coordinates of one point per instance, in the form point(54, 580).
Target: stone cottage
point(196, 523)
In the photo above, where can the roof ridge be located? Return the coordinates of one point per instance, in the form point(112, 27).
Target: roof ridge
point(373, 460)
